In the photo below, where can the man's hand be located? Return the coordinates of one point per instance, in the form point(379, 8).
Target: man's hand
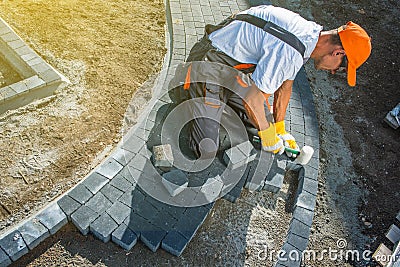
point(270, 141)
point(287, 138)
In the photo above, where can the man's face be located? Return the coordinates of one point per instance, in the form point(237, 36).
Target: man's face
point(332, 62)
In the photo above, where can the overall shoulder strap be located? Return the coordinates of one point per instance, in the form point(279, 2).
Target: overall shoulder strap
point(275, 30)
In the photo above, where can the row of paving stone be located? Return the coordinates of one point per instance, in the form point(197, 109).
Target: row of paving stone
point(110, 204)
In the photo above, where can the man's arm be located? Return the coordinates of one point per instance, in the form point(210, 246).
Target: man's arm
point(254, 105)
point(281, 100)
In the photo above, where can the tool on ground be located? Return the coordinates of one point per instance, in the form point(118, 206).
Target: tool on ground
point(303, 156)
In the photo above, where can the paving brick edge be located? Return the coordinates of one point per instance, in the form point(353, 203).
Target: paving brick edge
point(39, 78)
point(299, 229)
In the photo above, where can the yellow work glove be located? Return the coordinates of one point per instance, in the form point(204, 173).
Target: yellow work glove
point(287, 138)
point(270, 141)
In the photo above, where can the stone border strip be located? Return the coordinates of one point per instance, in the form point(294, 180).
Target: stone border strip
point(107, 201)
point(39, 78)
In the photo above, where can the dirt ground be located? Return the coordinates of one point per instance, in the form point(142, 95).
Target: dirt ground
point(98, 45)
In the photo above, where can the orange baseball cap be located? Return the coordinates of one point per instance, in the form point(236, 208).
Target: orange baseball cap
point(357, 45)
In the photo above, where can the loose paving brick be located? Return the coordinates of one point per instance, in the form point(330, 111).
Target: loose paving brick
point(53, 218)
point(175, 181)
point(393, 234)
point(82, 219)
point(103, 226)
point(174, 243)
point(4, 259)
point(162, 156)
point(94, 182)
point(124, 237)
point(234, 158)
point(248, 150)
point(210, 190)
point(152, 239)
point(80, 193)
point(119, 212)
point(68, 205)
point(33, 232)
point(110, 168)
point(14, 245)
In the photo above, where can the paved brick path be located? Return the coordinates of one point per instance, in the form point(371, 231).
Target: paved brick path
point(115, 202)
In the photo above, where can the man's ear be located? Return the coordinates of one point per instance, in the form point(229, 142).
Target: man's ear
point(338, 52)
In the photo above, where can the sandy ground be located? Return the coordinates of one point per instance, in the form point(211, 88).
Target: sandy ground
point(97, 45)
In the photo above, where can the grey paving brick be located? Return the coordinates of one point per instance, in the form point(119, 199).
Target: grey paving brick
point(311, 174)
point(162, 156)
point(309, 185)
point(14, 245)
point(235, 192)
point(121, 183)
point(119, 212)
point(296, 241)
point(306, 200)
point(164, 221)
point(132, 175)
point(298, 228)
point(68, 205)
point(146, 210)
point(4, 259)
point(175, 211)
point(190, 221)
point(398, 216)
point(53, 218)
point(210, 190)
point(134, 143)
point(248, 150)
point(138, 224)
point(98, 203)
point(124, 237)
point(82, 219)
point(139, 162)
point(393, 234)
point(123, 156)
point(109, 168)
point(133, 198)
point(152, 239)
point(94, 182)
point(175, 181)
point(33, 232)
point(80, 193)
point(111, 193)
point(174, 243)
point(303, 215)
point(103, 227)
point(234, 158)
point(275, 184)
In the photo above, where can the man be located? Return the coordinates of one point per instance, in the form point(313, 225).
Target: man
point(270, 52)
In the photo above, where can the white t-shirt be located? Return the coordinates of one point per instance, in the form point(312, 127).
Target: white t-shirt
point(276, 60)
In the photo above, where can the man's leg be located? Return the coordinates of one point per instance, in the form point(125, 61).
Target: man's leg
point(206, 112)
